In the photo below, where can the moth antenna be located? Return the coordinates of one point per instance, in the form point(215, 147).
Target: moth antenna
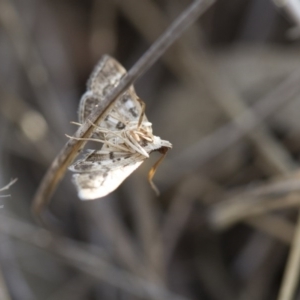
point(99, 141)
point(143, 105)
point(94, 125)
point(135, 145)
point(152, 172)
point(99, 129)
point(79, 124)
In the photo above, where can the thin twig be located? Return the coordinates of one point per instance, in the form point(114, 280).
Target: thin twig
point(71, 149)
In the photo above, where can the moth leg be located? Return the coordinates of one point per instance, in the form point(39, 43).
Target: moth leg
point(125, 137)
point(143, 106)
point(131, 142)
point(152, 172)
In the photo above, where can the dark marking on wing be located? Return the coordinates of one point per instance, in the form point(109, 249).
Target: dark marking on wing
point(133, 111)
point(107, 89)
point(143, 143)
point(125, 98)
point(105, 174)
point(91, 155)
point(90, 102)
point(120, 125)
point(111, 155)
point(82, 167)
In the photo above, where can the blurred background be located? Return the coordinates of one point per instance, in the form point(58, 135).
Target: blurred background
point(226, 95)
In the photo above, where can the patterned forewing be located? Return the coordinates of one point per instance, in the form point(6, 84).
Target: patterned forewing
point(105, 77)
point(99, 174)
point(95, 160)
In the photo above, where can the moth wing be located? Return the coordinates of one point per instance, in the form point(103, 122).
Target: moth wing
point(96, 181)
point(105, 77)
point(95, 160)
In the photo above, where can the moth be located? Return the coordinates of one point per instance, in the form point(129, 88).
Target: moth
point(125, 133)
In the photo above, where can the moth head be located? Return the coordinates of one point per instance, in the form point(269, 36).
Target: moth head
point(159, 143)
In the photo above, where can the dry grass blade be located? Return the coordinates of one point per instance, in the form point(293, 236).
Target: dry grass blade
point(71, 149)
